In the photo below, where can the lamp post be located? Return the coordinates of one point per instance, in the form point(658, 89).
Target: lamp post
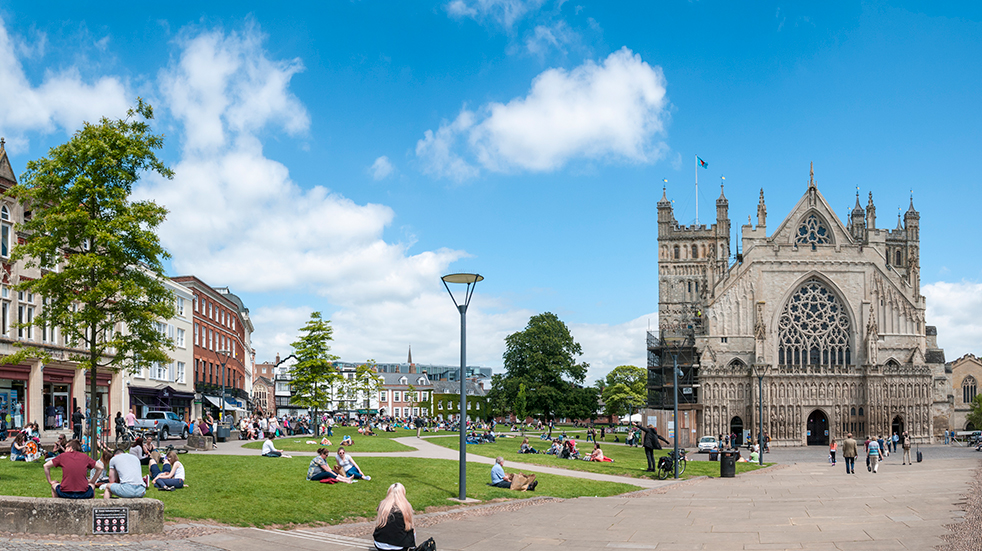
point(470, 280)
point(223, 356)
point(758, 372)
point(675, 415)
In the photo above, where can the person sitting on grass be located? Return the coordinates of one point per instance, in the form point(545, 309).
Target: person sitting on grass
point(394, 524)
point(346, 441)
point(59, 447)
point(169, 477)
point(597, 454)
point(125, 476)
point(526, 448)
point(18, 450)
point(348, 465)
point(73, 464)
point(319, 469)
point(269, 450)
point(556, 448)
point(500, 479)
point(100, 473)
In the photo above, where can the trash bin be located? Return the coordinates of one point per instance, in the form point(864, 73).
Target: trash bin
point(727, 463)
point(222, 433)
point(714, 455)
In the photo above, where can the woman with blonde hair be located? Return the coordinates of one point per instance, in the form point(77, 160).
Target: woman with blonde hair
point(394, 525)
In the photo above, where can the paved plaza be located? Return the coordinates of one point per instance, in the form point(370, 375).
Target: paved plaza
point(800, 503)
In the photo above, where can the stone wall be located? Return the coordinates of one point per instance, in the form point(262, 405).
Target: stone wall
point(45, 515)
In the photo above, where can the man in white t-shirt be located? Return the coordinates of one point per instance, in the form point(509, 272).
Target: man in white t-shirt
point(125, 477)
point(269, 450)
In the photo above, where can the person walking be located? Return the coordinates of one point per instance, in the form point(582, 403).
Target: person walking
point(832, 448)
point(906, 445)
point(77, 419)
point(896, 440)
point(850, 449)
point(874, 455)
point(651, 438)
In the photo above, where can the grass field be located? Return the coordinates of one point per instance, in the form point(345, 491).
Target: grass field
point(627, 461)
point(381, 442)
point(260, 491)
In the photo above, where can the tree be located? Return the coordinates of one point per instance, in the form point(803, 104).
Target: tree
point(521, 407)
point(314, 374)
point(410, 396)
point(367, 381)
point(543, 357)
point(975, 414)
point(98, 251)
point(625, 384)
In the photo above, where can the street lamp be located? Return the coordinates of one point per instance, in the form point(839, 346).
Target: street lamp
point(223, 356)
point(675, 415)
point(470, 280)
point(758, 371)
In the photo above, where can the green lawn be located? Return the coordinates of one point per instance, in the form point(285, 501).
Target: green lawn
point(381, 442)
point(260, 491)
point(627, 461)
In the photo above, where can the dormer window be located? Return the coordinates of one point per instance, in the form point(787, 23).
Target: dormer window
point(403, 381)
point(5, 230)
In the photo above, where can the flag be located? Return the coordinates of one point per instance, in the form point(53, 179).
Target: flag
point(702, 163)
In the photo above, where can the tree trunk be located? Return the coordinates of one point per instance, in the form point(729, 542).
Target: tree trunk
point(93, 389)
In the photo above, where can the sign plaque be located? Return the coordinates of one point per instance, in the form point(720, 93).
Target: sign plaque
point(111, 520)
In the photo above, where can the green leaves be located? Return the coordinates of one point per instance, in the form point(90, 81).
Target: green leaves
point(543, 358)
point(625, 385)
point(975, 415)
point(314, 374)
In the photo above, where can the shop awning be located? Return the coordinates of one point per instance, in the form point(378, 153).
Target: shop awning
point(217, 402)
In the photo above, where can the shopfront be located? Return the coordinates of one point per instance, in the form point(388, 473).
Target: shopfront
point(160, 398)
point(56, 402)
point(13, 394)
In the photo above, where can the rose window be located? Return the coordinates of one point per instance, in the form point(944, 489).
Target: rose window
point(813, 328)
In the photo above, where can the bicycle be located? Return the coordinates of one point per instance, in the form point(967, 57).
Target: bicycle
point(171, 448)
point(666, 464)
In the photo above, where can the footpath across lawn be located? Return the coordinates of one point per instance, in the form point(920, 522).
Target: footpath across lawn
point(627, 461)
point(381, 442)
point(261, 491)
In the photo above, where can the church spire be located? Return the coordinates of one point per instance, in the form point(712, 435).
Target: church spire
point(410, 360)
point(870, 213)
point(811, 175)
point(761, 210)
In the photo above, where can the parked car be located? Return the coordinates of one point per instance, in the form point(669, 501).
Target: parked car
point(707, 444)
point(164, 423)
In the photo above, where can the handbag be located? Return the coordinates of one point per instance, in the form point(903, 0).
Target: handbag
point(428, 545)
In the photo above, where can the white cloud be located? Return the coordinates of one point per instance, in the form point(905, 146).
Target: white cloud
point(547, 37)
point(503, 12)
point(610, 111)
point(608, 346)
point(224, 85)
point(381, 168)
point(953, 308)
point(61, 102)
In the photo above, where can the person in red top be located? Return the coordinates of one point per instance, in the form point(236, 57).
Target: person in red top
point(74, 464)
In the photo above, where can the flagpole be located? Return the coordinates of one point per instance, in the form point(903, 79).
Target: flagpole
point(697, 190)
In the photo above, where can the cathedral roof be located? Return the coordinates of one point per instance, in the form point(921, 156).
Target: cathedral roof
point(6, 172)
point(811, 202)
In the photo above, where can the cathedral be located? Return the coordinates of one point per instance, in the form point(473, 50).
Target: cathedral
point(820, 321)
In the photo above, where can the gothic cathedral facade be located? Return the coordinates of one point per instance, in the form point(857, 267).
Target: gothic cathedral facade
point(825, 318)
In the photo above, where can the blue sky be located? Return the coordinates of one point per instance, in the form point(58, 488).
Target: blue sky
point(342, 156)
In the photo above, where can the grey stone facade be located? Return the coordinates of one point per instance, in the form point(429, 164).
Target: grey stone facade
point(828, 312)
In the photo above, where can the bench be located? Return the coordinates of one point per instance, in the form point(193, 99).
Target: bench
point(80, 517)
point(200, 443)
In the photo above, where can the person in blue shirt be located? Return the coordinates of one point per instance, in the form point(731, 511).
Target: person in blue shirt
point(498, 476)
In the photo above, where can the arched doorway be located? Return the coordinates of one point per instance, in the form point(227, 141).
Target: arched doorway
point(897, 426)
point(818, 428)
point(736, 427)
point(970, 426)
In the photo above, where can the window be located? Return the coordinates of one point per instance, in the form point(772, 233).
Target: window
point(676, 252)
point(179, 306)
point(969, 389)
point(381, 396)
point(194, 303)
point(196, 334)
point(695, 251)
point(197, 367)
point(179, 378)
point(158, 371)
point(180, 338)
point(5, 319)
point(813, 328)
point(439, 405)
point(723, 340)
point(395, 395)
point(396, 411)
point(5, 231)
point(813, 232)
point(899, 259)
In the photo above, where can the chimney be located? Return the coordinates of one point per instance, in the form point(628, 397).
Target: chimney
point(277, 359)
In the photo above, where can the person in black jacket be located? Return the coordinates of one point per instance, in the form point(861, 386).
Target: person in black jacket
point(651, 438)
point(394, 524)
point(77, 419)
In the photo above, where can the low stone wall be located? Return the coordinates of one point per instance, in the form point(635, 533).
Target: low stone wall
point(81, 517)
point(200, 443)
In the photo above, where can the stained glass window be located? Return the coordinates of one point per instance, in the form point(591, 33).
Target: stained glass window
point(813, 328)
point(813, 232)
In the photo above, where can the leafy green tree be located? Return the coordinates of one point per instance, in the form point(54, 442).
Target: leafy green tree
point(975, 414)
point(625, 384)
point(98, 251)
point(521, 407)
point(314, 374)
point(543, 357)
point(366, 381)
